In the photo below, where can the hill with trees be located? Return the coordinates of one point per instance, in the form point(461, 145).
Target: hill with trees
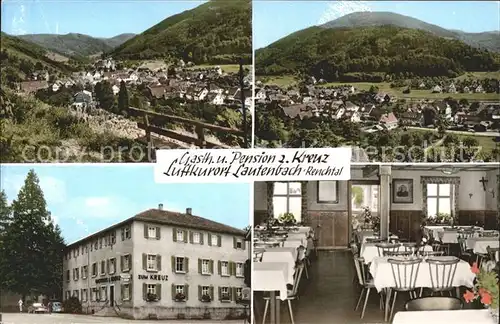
point(76, 45)
point(216, 32)
point(485, 40)
point(330, 53)
point(19, 58)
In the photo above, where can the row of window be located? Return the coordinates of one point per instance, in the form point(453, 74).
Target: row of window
point(153, 263)
point(105, 266)
point(107, 239)
point(154, 232)
point(181, 292)
point(225, 293)
point(180, 264)
point(193, 237)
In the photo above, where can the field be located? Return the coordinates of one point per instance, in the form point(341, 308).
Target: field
point(479, 75)
point(485, 142)
point(227, 68)
point(290, 80)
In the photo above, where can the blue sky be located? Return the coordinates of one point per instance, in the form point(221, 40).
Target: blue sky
point(86, 199)
point(273, 20)
point(98, 18)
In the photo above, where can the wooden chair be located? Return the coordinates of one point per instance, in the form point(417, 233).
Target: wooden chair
point(442, 272)
point(387, 247)
point(492, 254)
point(365, 283)
point(291, 295)
point(433, 304)
point(405, 274)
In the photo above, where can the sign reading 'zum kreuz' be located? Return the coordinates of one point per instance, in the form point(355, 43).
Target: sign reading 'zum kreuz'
point(153, 277)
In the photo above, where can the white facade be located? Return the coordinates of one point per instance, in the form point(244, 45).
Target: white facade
point(149, 263)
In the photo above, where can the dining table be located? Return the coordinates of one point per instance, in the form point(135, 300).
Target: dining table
point(271, 277)
point(464, 316)
point(383, 277)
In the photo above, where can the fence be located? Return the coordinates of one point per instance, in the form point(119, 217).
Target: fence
point(152, 119)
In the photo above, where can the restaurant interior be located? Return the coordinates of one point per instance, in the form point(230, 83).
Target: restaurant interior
point(398, 244)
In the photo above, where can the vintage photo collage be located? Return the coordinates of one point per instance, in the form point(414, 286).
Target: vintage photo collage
point(92, 90)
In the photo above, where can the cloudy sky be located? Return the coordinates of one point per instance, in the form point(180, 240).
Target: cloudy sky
point(273, 20)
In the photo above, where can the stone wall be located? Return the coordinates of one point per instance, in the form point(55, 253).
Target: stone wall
point(188, 313)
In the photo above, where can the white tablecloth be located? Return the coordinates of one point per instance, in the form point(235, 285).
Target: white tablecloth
point(270, 276)
point(370, 251)
point(366, 234)
point(293, 243)
point(448, 236)
point(281, 256)
point(291, 250)
point(479, 244)
point(381, 271)
point(468, 316)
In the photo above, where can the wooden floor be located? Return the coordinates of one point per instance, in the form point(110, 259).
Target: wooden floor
point(329, 296)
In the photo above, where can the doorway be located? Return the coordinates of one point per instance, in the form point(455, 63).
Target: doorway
point(365, 196)
point(112, 295)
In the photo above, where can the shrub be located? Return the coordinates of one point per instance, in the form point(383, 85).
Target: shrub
point(72, 306)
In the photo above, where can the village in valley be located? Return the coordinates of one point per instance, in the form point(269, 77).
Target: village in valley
point(436, 100)
point(151, 82)
point(377, 110)
point(149, 90)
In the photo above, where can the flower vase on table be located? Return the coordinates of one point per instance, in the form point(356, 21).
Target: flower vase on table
point(485, 287)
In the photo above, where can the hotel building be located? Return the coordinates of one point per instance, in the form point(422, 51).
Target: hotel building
point(159, 265)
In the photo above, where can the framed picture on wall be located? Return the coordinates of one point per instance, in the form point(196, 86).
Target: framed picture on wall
point(328, 192)
point(402, 191)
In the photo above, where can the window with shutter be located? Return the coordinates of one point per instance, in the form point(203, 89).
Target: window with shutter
point(158, 233)
point(185, 236)
point(158, 291)
point(174, 234)
point(209, 239)
point(219, 241)
point(151, 262)
point(158, 262)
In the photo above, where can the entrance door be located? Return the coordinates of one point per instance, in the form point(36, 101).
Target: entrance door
point(364, 196)
point(111, 296)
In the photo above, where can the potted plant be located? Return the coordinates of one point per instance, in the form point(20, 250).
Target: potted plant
point(206, 298)
point(485, 287)
point(151, 297)
point(287, 219)
point(224, 297)
point(180, 297)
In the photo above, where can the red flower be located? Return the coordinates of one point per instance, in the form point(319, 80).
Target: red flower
point(469, 296)
point(474, 268)
point(486, 298)
point(481, 291)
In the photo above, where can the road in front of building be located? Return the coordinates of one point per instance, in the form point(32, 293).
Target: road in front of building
point(16, 318)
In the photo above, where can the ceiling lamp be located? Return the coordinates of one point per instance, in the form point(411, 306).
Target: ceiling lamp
point(449, 170)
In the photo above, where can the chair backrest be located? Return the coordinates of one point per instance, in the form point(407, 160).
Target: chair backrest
point(493, 253)
point(373, 240)
point(462, 242)
point(433, 304)
point(354, 248)
point(359, 263)
point(296, 278)
point(405, 272)
point(386, 247)
point(410, 247)
point(442, 272)
point(424, 253)
point(398, 253)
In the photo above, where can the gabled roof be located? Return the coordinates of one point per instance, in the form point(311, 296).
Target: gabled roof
point(165, 217)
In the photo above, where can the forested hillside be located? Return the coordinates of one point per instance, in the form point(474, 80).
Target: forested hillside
point(217, 32)
point(328, 53)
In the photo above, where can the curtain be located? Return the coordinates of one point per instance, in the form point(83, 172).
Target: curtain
point(270, 193)
point(304, 215)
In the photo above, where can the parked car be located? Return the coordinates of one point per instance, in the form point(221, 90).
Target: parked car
point(57, 307)
point(37, 308)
